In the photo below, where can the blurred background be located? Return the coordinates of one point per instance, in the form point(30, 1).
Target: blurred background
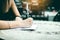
point(47, 10)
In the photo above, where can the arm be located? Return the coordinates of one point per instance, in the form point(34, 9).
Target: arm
point(14, 8)
point(15, 24)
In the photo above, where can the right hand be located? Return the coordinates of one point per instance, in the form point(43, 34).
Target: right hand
point(28, 22)
point(24, 23)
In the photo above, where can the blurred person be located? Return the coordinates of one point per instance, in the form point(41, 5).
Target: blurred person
point(57, 17)
point(10, 16)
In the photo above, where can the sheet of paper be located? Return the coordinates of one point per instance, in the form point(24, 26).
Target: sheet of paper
point(32, 28)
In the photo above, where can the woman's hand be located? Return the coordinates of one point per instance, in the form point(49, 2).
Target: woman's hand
point(28, 22)
point(24, 23)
